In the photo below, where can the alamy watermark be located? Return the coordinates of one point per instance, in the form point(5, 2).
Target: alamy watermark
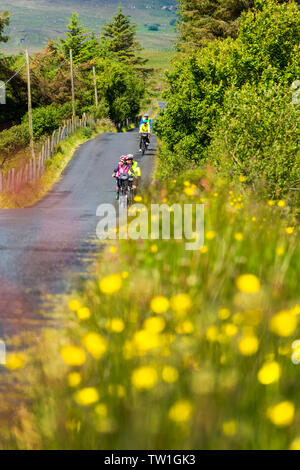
point(296, 92)
point(160, 221)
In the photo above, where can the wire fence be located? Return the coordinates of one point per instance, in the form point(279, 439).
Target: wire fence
point(15, 179)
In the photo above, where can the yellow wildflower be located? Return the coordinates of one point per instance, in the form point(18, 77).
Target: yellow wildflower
point(83, 313)
point(212, 333)
point(283, 323)
point(238, 236)
point(190, 191)
point(280, 203)
point(74, 305)
point(159, 304)
point(155, 324)
point(101, 410)
point(203, 249)
point(170, 374)
point(73, 355)
point(279, 251)
point(87, 396)
point(290, 230)
point(144, 378)
point(95, 344)
point(211, 234)
point(243, 179)
point(138, 198)
point(154, 249)
point(15, 361)
point(181, 303)
point(230, 329)
point(295, 444)
point(248, 345)
point(185, 327)
point(111, 284)
point(116, 325)
point(113, 249)
point(248, 283)
point(271, 203)
point(269, 373)
point(229, 427)
point(125, 274)
point(74, 379)
point(295, 310)
point(146, 340)
point(181, 411)
point(224, 313)
point(282, 414)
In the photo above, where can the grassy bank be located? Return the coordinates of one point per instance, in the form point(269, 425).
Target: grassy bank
point(33, 192)
point(166, 348)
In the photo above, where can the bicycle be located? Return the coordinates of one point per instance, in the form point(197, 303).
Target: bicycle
point(123, 194)
point(144, 138)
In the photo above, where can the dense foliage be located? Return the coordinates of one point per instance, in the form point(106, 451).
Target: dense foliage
point(265, 56)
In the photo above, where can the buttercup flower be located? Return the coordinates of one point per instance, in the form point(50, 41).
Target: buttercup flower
point(283, 323)
point(181, 411)
point(74, 379)
point(295, 444)
point(248, 345)
point(95, 344)
point(144, 378)
point(248, 283)
point(74, 305)
point(159, 304)
point(238, 236)
point(87, 396)
point(73, 355)
point(181, 302)
point(116, 325)
point(83, 313)
point(169, 374)
point(111, 284)
point(229, 428)
point(282, 414)
point(154, 324)
point(269, 373)
point(15, 361)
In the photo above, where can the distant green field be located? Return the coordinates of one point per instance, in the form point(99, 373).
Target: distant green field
point(34, 23)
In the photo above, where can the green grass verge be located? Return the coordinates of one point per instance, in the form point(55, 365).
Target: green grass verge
point(33, 192)
point(166, 348)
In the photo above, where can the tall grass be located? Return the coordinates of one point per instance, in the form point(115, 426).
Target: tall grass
point(166, 348)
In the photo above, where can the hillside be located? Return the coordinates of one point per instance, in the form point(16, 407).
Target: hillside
point(33, 23)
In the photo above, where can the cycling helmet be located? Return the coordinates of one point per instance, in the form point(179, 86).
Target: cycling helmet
point(123, 159)
point(129, 157)
point(146, 116)
point(145, 121)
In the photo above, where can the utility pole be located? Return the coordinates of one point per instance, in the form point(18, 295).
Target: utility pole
point(72, 84)
point(95, 85)
point(29, 106)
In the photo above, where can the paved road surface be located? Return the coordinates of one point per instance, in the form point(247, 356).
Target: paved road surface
point(41, 244)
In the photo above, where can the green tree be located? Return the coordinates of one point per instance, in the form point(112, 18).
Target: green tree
point(119, 36)
point(76, 38)
point(205, 20)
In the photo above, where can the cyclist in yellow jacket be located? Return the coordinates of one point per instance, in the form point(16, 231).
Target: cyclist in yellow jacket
point(144, 129)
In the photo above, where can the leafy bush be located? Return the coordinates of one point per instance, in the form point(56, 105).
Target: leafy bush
point(47, 119)
point(258, 134)
point(13, 139)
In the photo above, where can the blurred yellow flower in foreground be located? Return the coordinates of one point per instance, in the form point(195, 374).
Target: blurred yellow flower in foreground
point(203, 249)
point(238, 236)
point(111, 284)
point(101, 410)
point(212, 333)
point(282, 414)
point(229, 427)
point(224, 313)
point(281, 203)
point(138, 198)
point(154, 324)
point(87, 396)
point(15, 361)
point(181, 411)
point(211, 234)
point(154, 248)
point(230, 329)
point(279, 251)
point(248, 345)
point(185, 327)
point(269, 373)
point(295, 444)
point(181, 302)
point(113, 249)
point(271, 203)
point(83, 313)
point(144, 378)
point(170, 374)
point(283, 323)
point(289, 230)
point(95, 344)
point(73, 355)
point(146, 340)
point(159, 304)
point(74, 379)
point(248, 283)
point(74, 305)
point(243, 179)
point(116, 325)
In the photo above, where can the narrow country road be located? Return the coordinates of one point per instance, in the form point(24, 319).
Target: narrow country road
point(41, 245)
